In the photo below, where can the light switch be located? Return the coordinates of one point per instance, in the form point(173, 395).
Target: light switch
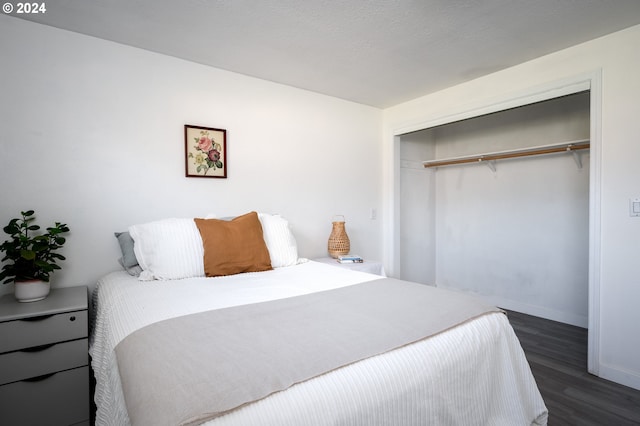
point(634, 207)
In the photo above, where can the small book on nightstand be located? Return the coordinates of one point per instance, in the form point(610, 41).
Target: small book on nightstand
point(350, 259)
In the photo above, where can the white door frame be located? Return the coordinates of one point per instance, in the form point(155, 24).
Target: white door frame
point(591, 82)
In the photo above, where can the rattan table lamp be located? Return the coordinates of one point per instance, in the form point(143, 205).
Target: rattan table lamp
point(339, 244)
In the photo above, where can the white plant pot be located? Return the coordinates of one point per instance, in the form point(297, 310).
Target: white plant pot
point(31, 291)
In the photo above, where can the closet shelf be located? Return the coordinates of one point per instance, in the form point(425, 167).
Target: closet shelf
point(490, 157)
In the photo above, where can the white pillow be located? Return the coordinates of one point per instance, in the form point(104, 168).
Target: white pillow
point(168, 249)
point(280, 241)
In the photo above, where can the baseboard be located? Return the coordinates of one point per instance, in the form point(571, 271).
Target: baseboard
point(622, 377)
point(538, 311)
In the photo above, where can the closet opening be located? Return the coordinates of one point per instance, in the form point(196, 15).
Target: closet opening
point(507, 223)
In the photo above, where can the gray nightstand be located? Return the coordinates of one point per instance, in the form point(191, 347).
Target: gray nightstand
point(44, 359)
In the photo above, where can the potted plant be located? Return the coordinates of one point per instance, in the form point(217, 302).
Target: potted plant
point(30, 257)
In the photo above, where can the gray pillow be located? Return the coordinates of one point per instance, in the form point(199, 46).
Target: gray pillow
point(134, 270)
point(126, 246)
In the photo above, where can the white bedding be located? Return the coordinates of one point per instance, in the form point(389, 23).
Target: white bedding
point(473, 374)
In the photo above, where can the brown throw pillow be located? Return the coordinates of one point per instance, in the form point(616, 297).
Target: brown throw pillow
point(233, 246)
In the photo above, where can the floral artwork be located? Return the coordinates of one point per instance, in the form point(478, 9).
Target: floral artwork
point(205, 149)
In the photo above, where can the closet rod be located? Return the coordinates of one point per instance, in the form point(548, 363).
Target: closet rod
point(547, 149)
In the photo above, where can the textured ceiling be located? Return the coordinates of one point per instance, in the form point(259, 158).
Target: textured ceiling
point(375, 52)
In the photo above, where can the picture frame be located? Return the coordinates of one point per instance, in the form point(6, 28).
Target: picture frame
point(205, 152)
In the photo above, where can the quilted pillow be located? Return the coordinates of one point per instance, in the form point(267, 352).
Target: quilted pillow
point(168, 249)
point(280, 241)
point(233, 246)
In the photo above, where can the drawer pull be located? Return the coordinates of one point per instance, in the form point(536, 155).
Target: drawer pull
point(40, 318)
point(39, 378)
point(38, 348)
point(72, 318)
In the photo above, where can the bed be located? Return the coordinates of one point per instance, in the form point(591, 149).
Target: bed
point(471, 372)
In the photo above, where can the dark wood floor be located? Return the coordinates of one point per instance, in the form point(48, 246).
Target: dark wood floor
point(557, 354)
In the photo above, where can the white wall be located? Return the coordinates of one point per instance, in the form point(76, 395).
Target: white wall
point(91, 134)
point(616, 57)
point(417, 223)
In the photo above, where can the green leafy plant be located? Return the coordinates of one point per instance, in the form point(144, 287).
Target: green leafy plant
point(30, 255)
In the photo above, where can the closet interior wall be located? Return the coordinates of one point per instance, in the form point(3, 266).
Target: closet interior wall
point(519, 235)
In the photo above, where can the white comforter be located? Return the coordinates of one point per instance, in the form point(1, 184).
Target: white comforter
point(473, 374)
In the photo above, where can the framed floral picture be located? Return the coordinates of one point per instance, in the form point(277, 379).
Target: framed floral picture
point(205, 152)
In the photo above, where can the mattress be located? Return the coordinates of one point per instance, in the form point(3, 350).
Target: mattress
point(475, 373)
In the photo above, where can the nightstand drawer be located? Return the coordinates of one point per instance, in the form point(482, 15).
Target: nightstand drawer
point(38, 331)
point(20, 365)
point(60, 399)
